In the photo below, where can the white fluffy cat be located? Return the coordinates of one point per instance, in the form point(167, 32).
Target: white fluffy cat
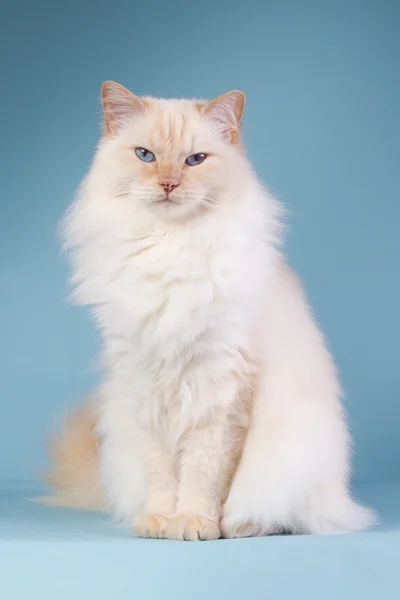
point(219, 413)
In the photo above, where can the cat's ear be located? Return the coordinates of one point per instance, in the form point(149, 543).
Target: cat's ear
point(226, 112)
point(119, 105)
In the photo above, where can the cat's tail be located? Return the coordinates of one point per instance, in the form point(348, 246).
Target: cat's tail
point(73, 451)
point(334, 511)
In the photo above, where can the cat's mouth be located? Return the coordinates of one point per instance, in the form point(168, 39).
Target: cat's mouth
point(165, 201)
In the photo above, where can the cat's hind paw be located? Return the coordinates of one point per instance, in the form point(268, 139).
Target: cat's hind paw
point(249, 529)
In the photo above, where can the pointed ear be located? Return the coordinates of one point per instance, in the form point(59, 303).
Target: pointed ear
point(226, 112)
point(119, 105)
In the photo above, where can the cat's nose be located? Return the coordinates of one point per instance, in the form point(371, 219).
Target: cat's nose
point(168, 185)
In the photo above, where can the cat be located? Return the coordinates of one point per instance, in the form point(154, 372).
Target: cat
point(220, 411)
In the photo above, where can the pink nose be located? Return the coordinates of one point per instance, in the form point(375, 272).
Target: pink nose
point(168, 185)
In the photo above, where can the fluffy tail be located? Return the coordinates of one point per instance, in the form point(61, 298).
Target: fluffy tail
point(336, 512)
point(73, 451)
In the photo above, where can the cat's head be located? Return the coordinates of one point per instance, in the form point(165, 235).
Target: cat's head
point(171, 156)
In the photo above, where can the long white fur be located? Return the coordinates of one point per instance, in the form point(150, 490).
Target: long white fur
point(206, 335)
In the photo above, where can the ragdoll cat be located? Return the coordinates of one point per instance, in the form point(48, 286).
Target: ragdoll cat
point(219, 414)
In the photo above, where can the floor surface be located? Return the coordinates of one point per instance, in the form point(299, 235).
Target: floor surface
point(52, 553)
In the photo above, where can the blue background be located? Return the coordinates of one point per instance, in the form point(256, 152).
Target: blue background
point(322, 128)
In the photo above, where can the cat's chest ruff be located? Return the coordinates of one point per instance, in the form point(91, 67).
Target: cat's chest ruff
point(183, 272)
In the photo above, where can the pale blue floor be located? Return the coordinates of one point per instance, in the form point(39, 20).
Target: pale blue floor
point(62, 554)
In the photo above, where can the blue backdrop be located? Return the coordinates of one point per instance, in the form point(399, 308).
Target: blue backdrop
point(322, 128)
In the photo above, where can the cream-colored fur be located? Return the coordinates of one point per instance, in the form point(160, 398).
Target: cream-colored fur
point(73, 451)
point(220, 412)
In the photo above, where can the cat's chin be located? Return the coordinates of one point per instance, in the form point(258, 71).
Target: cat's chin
point(173, 210)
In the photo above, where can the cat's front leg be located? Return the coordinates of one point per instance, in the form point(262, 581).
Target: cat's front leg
point(206, 465)
point(161, 492)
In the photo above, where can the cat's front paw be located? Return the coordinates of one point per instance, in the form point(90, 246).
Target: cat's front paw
point(192, 527)
point(149, 525)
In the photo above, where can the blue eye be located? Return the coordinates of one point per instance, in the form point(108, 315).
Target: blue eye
point(195, 159)
point(145, 155)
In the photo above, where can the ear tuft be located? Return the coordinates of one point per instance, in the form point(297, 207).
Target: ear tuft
point(119, 105)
